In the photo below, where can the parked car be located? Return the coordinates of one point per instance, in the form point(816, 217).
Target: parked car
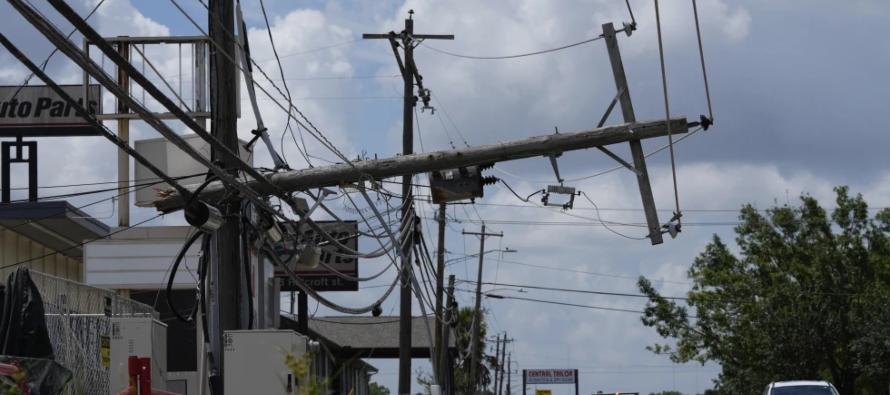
point(800, 388)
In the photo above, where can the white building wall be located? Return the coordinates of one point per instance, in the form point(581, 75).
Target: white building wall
point(141, 258)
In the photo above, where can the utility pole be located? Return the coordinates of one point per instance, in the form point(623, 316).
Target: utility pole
point(226, 246)
point(531, 147)
point(636, 146)
point(510, 374)
point(443, 350)
point(497, 355)
point(440, 274)
point(477, 314)
point(501, 360)
point(409, 74)
point(123, 132)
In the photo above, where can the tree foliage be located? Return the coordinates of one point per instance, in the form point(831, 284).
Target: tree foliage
point(377, 389)
point(463, 332)
point(806, 298)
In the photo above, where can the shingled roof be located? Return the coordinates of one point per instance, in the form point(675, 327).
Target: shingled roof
point(372, 337)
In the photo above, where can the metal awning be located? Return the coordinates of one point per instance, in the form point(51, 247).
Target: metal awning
point(57, 225)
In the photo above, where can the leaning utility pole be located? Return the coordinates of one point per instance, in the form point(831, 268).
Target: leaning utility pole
point(530, 147)
point(440, 274)
point(409, 75)
point(225, 251)
point(477, 314)
point(636, 146)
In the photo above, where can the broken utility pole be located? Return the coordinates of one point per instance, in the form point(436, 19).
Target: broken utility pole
point(636, 147)
point(409, 75)
point(298, 180)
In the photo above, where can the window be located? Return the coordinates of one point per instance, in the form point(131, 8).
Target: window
point(804, 390)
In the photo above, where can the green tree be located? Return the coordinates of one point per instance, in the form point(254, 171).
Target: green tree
point(377, 389)
point(807, 298)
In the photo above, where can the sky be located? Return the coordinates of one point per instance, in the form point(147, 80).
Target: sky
point(798, 92)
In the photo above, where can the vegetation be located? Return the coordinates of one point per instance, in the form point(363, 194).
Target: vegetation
point(806, 298)
point(462, 381)
point(301, 369)
point(377, 389)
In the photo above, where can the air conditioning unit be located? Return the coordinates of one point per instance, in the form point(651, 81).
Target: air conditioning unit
point(142, 338)
point(255, 361)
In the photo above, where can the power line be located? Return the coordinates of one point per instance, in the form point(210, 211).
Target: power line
point(46, 62)
point(583, 272)
point(566, 304)
point(701, 53)
point(602, 172)
point(515, 56)
point(574, 290)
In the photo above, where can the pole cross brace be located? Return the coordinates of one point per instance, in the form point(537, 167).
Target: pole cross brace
point(553, 163)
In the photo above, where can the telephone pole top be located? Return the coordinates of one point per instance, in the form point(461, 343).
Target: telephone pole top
point(410, 76)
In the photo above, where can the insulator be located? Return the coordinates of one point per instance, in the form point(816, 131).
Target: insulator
point(490, 180)
point(485, 166)
point(562, 190)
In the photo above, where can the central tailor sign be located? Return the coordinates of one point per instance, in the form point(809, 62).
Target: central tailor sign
point(550, 376)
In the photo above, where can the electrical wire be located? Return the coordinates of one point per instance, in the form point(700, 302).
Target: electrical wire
point(514, 56)
point(449, 120)
point(283, 79)
point(46, 62)
point(80, 244)
point(607, 226)
point(602, 172)
point(568, 304)
point(169, 294)
point(667, 111)
point(551, 268)
point(312, 293)
point(318, 135)
point(52, 33)
point(572, 290)
point(701, 53)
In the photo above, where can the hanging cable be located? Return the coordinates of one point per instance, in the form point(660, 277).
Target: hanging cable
point(169, 294)
point(515, 56)
point(46, 62)
point(701, 53)
point(313, 294)
point(602, 172)
point(607, 226)
point(667, 111)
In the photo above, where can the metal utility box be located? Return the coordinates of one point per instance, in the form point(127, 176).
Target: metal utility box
point(140, 337)
point(175, 162)
point(254, 361)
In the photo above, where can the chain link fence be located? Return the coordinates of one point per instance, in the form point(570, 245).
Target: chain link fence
point(78, 318)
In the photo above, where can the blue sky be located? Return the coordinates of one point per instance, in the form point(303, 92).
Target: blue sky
point(798, 90)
